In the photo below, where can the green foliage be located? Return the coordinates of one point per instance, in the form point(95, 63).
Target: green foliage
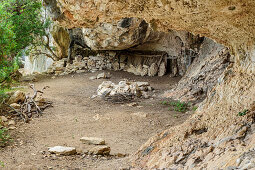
point(164, 102)
point(2, 164)
point(194, 108)
point(177, 106)
point(21, 26)
point(4, 136)
point(243, 113)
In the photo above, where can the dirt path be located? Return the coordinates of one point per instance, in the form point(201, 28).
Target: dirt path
point(75, 115)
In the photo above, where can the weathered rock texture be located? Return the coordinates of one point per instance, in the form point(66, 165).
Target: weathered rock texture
point(215, 136)
point(203, 74)
point(61, 41)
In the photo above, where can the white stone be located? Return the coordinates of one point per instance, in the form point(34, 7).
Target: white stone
point(92, 140)
point(62, 150)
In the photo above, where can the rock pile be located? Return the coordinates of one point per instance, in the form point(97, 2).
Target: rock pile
point(124, 90)
point(99, 148)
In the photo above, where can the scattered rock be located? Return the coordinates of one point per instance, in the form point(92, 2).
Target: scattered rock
point(80, 71)
point(100, 150)
point(122, 90)
point(17, 97)
point(132, 104)
point(15, 105)
point(4, 119)
point(62, 150)
point(103, 76)
point(92, 140)
point(12, 128)
point(92, 78)
point(94, 96)
point(11, 122)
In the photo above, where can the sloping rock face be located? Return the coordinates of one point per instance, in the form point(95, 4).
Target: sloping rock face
point(203, 74)
point(221, 132)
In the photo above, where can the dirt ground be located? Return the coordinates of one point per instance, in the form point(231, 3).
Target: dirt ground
point(76, 115)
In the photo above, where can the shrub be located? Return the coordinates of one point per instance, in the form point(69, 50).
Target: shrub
point(180, 106)
point(177, 106)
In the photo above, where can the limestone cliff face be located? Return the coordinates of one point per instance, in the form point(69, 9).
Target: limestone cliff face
point(206, 140)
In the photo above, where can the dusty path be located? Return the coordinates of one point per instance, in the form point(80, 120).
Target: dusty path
point(75, 115)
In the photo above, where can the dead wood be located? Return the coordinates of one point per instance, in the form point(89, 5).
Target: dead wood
point(30, 106)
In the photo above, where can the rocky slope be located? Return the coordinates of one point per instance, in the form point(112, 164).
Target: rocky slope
point(221, 132)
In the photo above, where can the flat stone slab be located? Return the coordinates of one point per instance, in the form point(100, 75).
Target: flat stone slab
point(100, 150)
point(62, 150)
point(92, 141)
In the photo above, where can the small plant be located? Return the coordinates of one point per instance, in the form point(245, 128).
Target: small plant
point(243, 113)
point(194, 108)
point(164, 102)
point(4, 136)
point(179, 106)
point(2, 164)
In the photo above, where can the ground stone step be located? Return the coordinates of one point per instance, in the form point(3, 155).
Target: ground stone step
point(100, 150)
point(92, 140)
point(62, 150)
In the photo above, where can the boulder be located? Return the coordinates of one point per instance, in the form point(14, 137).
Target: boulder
point(3, 119)
point(62, 150)
point(17, 97)
point(92, 140)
